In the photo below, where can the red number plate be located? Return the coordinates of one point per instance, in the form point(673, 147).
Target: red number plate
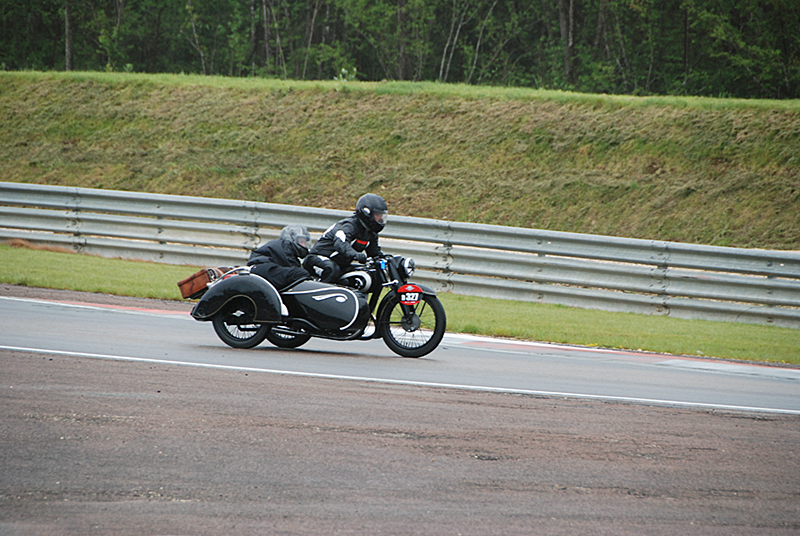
point(410, 294)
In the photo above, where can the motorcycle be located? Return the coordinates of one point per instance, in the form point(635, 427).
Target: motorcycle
point(374, 300)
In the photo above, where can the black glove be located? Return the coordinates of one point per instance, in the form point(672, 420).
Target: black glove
point(361, 257)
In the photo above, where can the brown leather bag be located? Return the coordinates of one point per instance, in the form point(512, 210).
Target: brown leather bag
point(196, 284)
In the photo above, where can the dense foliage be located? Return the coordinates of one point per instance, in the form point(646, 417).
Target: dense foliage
point(738, 48)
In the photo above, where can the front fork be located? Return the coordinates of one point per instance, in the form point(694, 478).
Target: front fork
point(410, 320)
point(374, 311)
point(377, 303)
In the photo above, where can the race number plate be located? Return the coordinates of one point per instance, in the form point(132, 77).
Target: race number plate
point(410, 294)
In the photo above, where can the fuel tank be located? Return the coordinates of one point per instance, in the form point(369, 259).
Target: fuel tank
point(329, 307)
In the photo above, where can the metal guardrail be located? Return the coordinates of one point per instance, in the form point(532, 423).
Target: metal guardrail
point(599, 272)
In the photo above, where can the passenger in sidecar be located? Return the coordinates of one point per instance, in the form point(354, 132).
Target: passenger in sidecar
point(278, 261)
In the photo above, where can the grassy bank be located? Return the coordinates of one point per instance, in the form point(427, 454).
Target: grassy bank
point(523, 320)
point(711, 171)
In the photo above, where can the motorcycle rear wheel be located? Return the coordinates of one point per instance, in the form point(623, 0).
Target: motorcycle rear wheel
point(286, 340)
point(231, 327)
point(413, 335)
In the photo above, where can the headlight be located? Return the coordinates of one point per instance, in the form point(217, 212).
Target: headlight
point(410, 267)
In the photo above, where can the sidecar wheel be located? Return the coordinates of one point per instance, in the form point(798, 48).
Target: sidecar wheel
point(232, 327)
point(412, 335)
point(286, 340)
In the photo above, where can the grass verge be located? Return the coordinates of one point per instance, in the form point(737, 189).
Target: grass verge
point(708, 171)
point(465, 314)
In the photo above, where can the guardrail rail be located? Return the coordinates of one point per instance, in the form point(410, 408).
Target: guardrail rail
point(589, 271)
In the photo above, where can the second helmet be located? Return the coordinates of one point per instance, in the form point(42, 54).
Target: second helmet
point(371, 210)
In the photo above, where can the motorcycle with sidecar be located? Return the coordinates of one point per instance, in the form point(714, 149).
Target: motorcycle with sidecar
point(373, 300)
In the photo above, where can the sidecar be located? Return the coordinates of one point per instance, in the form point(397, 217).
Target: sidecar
point(265, 305)
point(244, 308)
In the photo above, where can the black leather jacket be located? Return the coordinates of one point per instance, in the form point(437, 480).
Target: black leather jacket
point(344, 239)
point(277, 262)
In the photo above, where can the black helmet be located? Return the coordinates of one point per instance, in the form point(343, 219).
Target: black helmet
point(298, 236)
point(372, 212)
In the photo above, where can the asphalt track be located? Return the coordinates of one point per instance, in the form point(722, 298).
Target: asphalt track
point(127, 418)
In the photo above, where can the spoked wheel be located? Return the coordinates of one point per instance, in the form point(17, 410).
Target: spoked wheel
point(233, 324)
point(412, 331)
point(282, 339)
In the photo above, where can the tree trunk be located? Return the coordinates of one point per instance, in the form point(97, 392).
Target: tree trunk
point(156, 40)
point(447, 44)
point(401, 40)
point(196, 42)
point(685, 45)
point(120, 7)
point(253, 24)
point(279, 57)
point(623, 65)
point(326, 30)
point(310, 37)
point(566, 19)
point(453, 47)
point(265, 20)
point(455, 40)
point(67, 37)
point(478, 45)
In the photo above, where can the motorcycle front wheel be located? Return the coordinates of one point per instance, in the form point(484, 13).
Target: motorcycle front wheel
point(232, 327)
point(415, 331)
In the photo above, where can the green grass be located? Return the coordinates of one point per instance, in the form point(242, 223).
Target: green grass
point(710, 171)
point(568, 325)
point(405, 88)
point(482, 316)
point(85, 273)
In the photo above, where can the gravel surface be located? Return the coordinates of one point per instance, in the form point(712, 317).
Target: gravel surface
point(90, 446)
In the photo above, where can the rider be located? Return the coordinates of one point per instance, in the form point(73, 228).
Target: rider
point(278, 261)
point(354, 238)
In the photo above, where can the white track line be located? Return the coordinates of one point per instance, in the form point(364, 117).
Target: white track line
point(409, 382)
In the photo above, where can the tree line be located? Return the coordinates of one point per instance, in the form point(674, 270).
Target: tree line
point(728, 48)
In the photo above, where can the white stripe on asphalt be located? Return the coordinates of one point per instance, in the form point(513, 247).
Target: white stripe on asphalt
point(409, 382)
point(514, 346)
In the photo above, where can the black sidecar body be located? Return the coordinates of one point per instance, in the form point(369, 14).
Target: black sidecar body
point(245, 298)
